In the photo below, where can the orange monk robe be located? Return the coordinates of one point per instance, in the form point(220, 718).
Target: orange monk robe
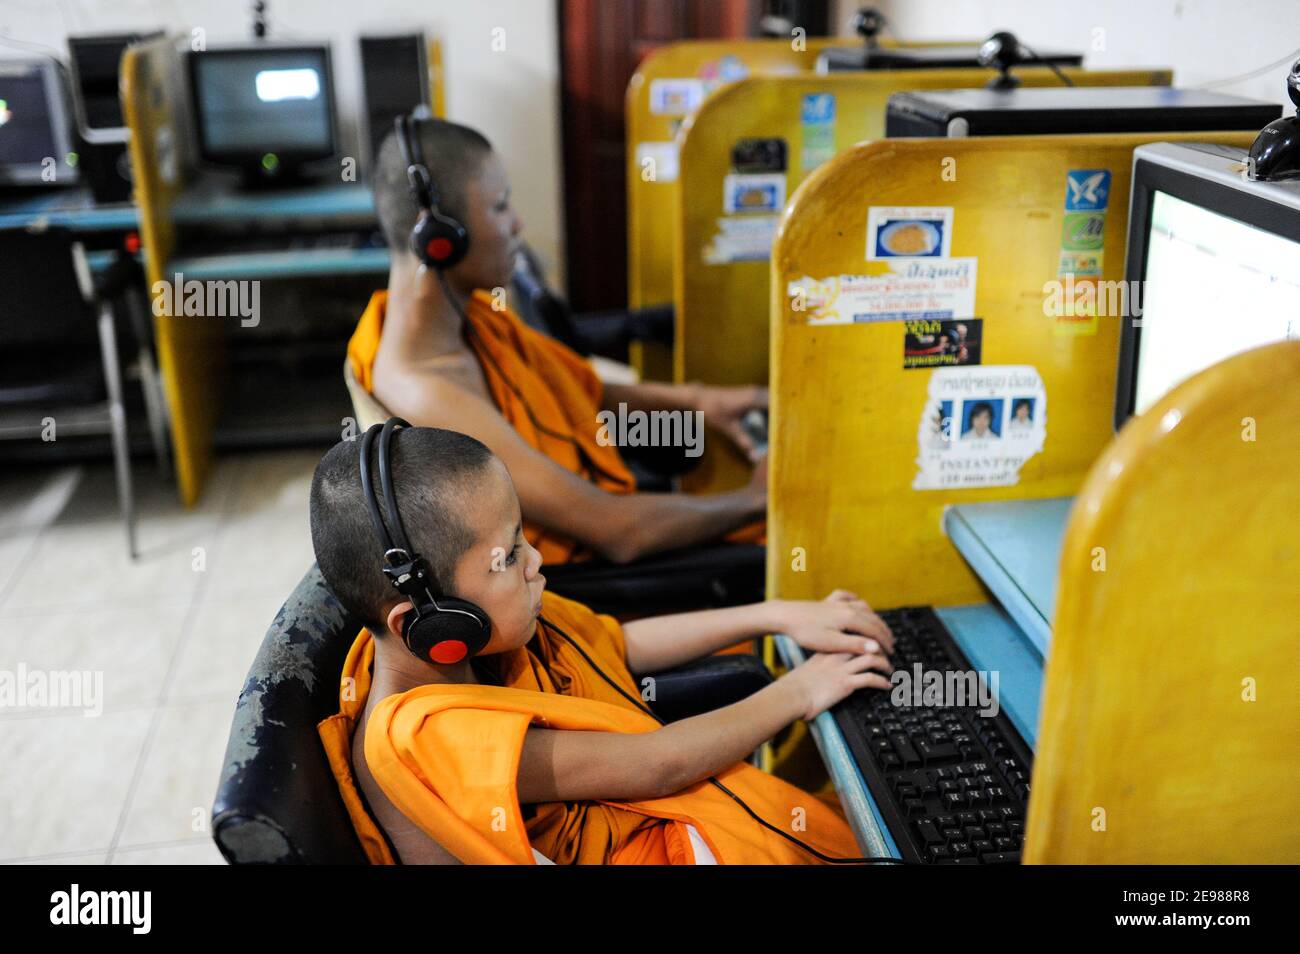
point(547, 392)
point(447, 756)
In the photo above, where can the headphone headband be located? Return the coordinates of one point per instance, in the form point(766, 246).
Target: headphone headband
point(439, 629)
point(438, 240)
point(417, 173)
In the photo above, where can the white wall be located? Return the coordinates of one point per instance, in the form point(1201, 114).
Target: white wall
point(511, 95)
point(1202, 40)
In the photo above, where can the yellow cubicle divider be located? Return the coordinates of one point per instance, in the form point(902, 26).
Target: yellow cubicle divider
point(190, 350)
point(667, 86)
point(720, 257)
point(437, 80)
point(1171, 708)
point(855, 432)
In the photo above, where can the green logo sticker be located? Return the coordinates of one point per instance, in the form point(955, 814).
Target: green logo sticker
point(1083, 231)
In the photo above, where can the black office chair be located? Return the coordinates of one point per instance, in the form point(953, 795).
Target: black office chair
point(604, 333)
point(59, 366)
point(278, 802)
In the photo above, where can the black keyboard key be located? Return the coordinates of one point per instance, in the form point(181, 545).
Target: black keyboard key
point(937, 751)
point(903, 746)
point(939, 853)
point(954, 801)
point(1000, 858)
point(929, 833)
point(960, 848)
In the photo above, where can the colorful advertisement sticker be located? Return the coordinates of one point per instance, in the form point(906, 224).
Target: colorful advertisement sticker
point(817, 126)
point(935, 343)
point(979, 426)
point(908, 289)
point(676, 97)
point(753, 192)
point(1083, 231)
point(1081, 264)
point(742, 238)
point(908, 232)
point(1087, 190)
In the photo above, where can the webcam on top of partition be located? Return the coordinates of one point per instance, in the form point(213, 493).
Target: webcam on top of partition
point(1275, 153)
point(867, 23)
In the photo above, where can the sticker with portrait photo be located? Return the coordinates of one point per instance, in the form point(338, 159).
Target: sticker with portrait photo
point(967, 437)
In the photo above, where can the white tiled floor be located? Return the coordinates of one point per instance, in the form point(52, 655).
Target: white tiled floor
point(173, 634)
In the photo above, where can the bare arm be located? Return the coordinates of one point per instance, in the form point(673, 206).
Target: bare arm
point(559, 765)
point(620, 527)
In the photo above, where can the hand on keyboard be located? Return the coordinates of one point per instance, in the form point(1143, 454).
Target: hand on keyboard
point(837, 624)
point(825, 679)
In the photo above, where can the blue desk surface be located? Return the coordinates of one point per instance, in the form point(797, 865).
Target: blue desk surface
point(215, 201)
point(74, 209)
point(307, 263)
point(1014, 546)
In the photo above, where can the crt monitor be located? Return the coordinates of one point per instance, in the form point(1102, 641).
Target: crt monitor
point(267, 110)
point(1213, 268)
point(36, 145)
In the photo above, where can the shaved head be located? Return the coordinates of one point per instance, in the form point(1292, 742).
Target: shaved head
point(435, 473)
point(454, 155)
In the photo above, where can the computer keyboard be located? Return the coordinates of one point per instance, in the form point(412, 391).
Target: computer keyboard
point(951, 783)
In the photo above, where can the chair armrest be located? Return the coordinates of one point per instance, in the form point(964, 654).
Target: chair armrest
point(677, 581)
point(707, 684)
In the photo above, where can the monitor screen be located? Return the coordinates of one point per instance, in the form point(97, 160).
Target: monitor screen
point(1213, 287)
point(251, 103)
point(27, 131)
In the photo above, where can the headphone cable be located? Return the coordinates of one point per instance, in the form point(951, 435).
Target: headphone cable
point(829, 859)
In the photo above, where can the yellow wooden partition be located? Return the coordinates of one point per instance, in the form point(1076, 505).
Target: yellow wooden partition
point(1171, 708)
point(678, 75)
point(189, 349)
point(721, 305)
point(847, 415)
point(437, 80)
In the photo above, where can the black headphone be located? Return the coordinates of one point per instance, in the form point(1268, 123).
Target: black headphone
point(441, 629)
point(438, 239)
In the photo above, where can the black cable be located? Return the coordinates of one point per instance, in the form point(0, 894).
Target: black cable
point(1050, 65)
point(829, 859)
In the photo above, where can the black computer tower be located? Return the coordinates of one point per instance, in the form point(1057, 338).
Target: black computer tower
point(851, 59)
point(1068, 110)
point(96, 67)
point(394, 80)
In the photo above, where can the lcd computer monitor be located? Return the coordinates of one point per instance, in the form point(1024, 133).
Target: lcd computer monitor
point(36, 145)
point(266, 110)
point(1213, 268)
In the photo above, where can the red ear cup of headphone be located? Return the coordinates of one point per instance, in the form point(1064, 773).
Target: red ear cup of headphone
point(448, 632)
point(438, 240)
